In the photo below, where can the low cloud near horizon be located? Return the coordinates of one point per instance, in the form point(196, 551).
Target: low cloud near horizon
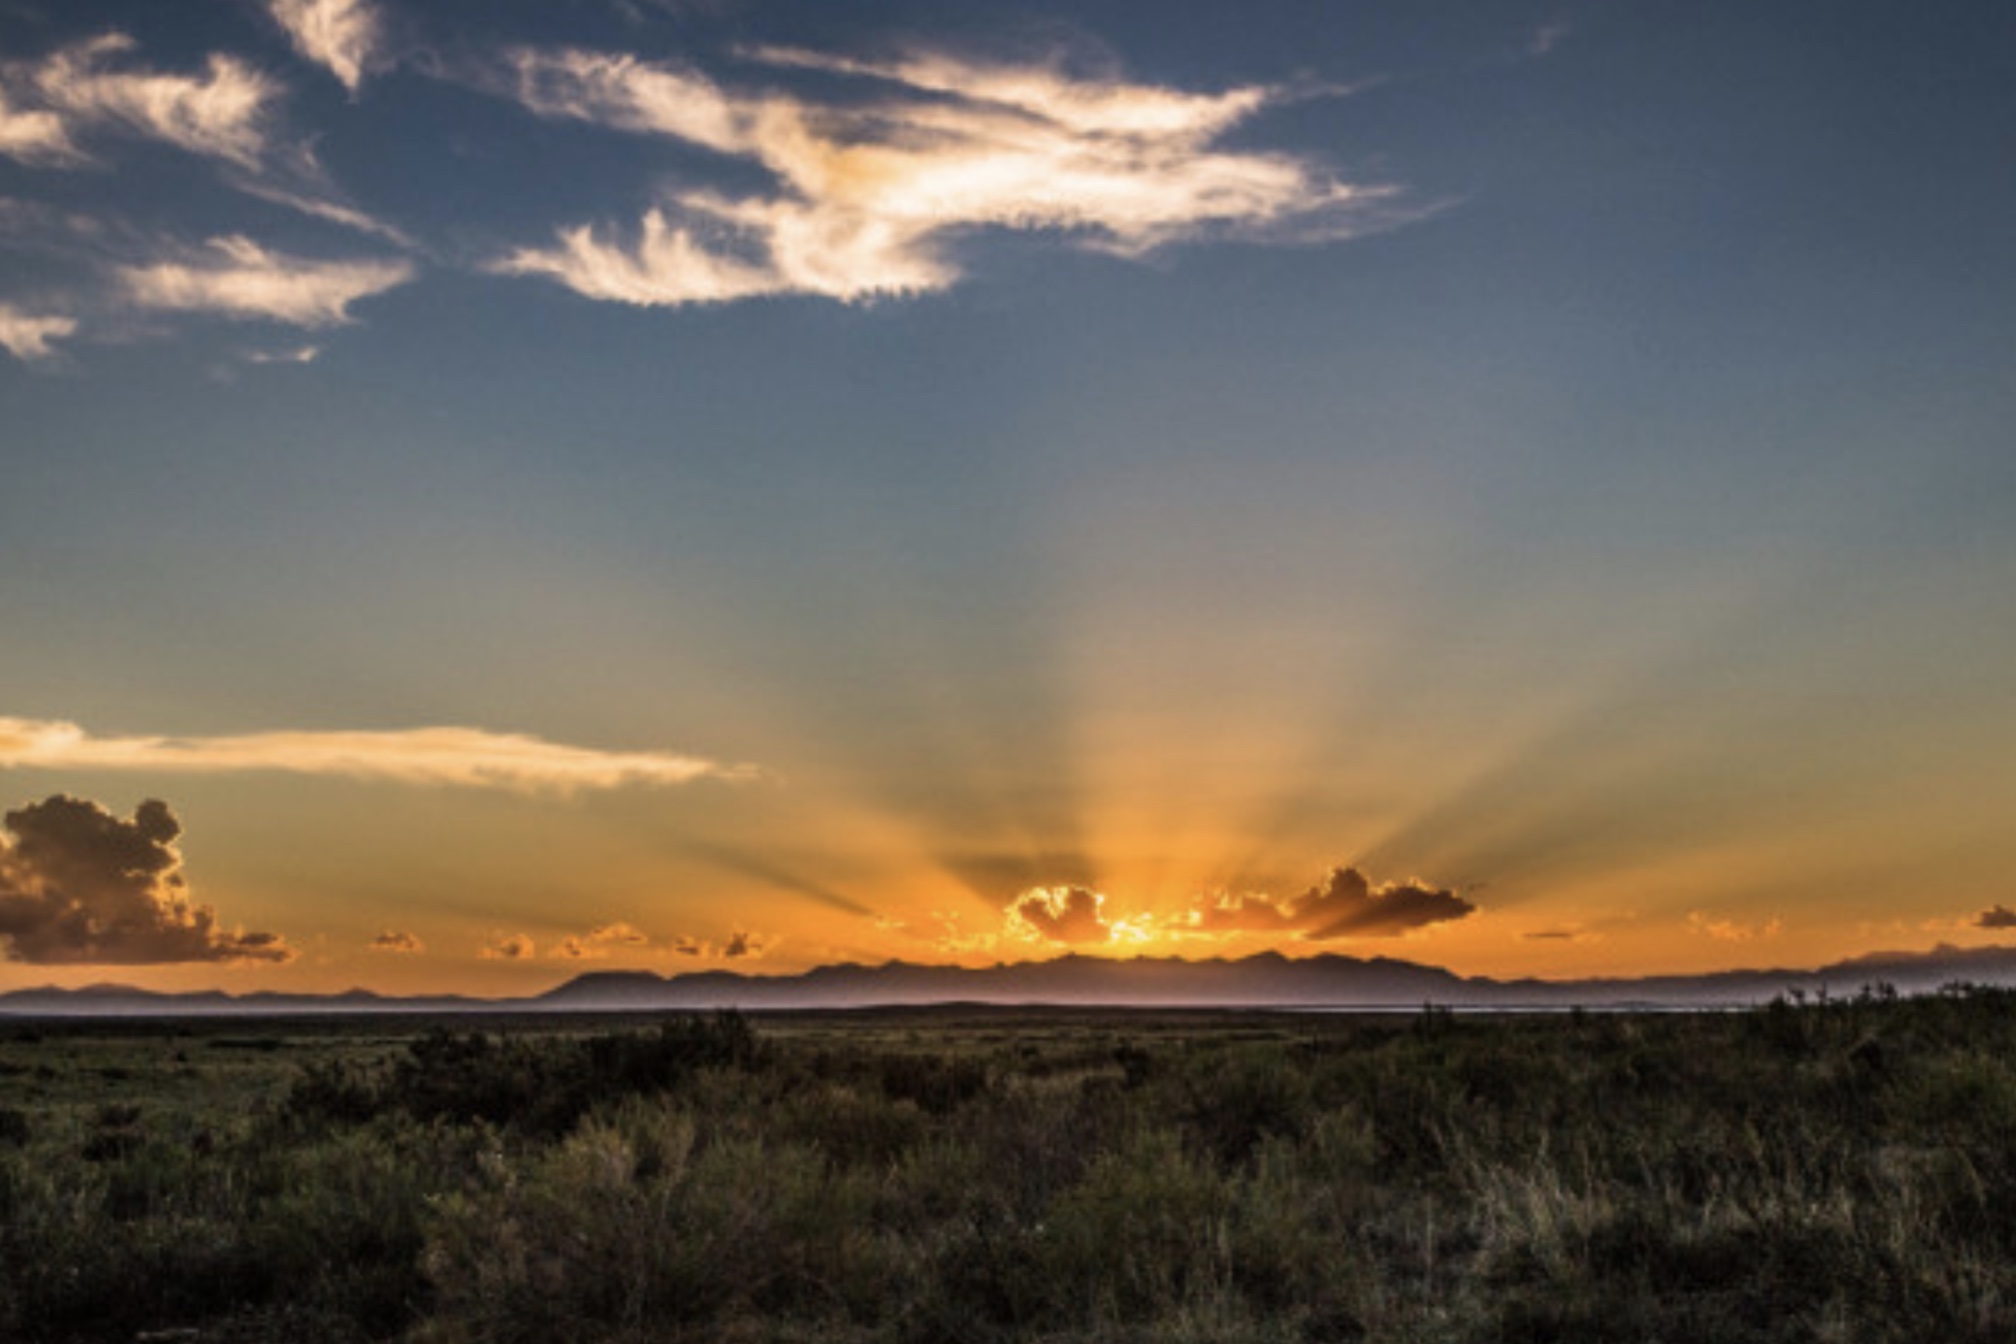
point(1063, 914)
point(1344, 905)
point(467, 757)
point(81, 886)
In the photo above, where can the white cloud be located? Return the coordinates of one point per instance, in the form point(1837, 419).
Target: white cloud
point(34, 135)
point(613, 89)
point(238, 278)
point(867, 196)
point(27, 336)
point(470, 757)
point(297, 354)
point(343, 36)
point(227, 114)
point(221, 114)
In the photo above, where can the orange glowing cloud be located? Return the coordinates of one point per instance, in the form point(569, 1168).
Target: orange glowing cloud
point(468, 757)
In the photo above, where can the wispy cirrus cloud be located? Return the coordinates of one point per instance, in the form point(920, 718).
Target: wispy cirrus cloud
point(342, 36)
point(223, 113)
point(34, 135)
point(27, 336)
point(867, 197)
point(229, 113)
point(466, 757)
point(235, 277)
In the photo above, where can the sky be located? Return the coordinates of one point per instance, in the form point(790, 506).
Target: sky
point(491, 492)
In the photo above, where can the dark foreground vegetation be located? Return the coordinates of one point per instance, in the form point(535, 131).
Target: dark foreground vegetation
point(1839, 1171)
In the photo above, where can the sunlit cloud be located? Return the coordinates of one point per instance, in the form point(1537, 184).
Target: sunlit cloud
point(301, 185)
point(600, 942)
point(1061, 915)
point(393, 940)
point(1344, 905)
point(1727, 930)
point(469, 757)
point(228, 114)
point(224, 113)
point(27, 336)
point(868, 197)
point(237, 278)
point(737, 946)
point(34, 135)
point(513, 947)
point(81, 886)
point(342, 36)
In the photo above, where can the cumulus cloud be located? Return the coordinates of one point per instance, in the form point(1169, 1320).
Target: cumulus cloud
point(1062, 914)
point(1996, 917)
point(81, 886)
point(866, 196)
point(1731, 930)
point(342, 36)
point(470, 757)
point(516, 947)
point(224, 113)
point(393, 941)
point(27, 335)
point(735, 946)
point(1343, 905)
point(599, 942)
point(237, 278)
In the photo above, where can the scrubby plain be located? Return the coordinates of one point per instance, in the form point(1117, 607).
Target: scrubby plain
point(1818, 1171)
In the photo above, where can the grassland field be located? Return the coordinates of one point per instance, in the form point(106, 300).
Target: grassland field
point(1817, 1171)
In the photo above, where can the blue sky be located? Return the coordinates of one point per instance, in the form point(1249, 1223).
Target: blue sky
point(884, 480)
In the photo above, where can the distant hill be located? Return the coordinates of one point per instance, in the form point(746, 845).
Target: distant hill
point(1268, 980)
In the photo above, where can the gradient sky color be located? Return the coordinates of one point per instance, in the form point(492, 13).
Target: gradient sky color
point(665, 484)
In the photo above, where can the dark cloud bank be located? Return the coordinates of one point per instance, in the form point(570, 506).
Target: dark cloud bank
point(81, 886)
